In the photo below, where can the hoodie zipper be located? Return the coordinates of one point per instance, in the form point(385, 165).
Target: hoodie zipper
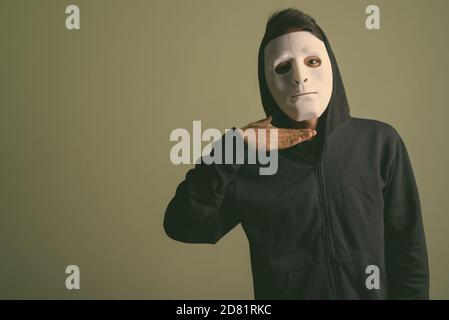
point(330, 258)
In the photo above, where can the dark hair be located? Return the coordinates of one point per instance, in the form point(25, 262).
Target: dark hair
point(289, 20)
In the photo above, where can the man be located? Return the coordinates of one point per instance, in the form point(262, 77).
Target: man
point(341, 218)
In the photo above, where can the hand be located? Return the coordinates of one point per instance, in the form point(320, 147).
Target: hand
point(286, 137)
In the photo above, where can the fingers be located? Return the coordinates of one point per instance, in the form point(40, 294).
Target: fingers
point(286, 141)
point(304, 134)
point(295, 132)
point(286, 137)
point(268, 120)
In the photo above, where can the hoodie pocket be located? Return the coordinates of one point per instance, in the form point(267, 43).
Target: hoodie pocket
point(308, 282)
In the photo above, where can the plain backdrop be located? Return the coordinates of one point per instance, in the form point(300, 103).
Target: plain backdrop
point(86, 115)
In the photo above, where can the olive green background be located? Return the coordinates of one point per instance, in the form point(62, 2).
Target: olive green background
point(85, 119)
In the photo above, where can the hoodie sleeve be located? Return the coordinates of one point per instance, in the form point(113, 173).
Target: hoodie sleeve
point(202, 209)
point(405, 245)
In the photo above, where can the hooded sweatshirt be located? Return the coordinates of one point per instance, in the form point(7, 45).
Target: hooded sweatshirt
point(340, 219)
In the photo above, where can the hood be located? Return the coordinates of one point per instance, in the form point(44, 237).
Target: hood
point(337, 110)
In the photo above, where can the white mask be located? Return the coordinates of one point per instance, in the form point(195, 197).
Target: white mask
point(299, 74)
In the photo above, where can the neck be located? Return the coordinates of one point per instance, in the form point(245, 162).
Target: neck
point(306, 124)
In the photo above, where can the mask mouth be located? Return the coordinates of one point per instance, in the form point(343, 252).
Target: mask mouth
point(297, 95)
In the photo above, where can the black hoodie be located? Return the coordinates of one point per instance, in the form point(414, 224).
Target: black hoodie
point(341, 212)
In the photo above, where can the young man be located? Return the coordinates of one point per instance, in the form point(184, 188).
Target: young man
point(341, 218)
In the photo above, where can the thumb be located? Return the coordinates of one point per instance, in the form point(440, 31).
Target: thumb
point(267, 121)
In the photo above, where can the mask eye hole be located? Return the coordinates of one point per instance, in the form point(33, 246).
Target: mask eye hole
point(283, 67)
point(312, 62)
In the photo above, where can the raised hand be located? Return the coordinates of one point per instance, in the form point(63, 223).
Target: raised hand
point(286, 137)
